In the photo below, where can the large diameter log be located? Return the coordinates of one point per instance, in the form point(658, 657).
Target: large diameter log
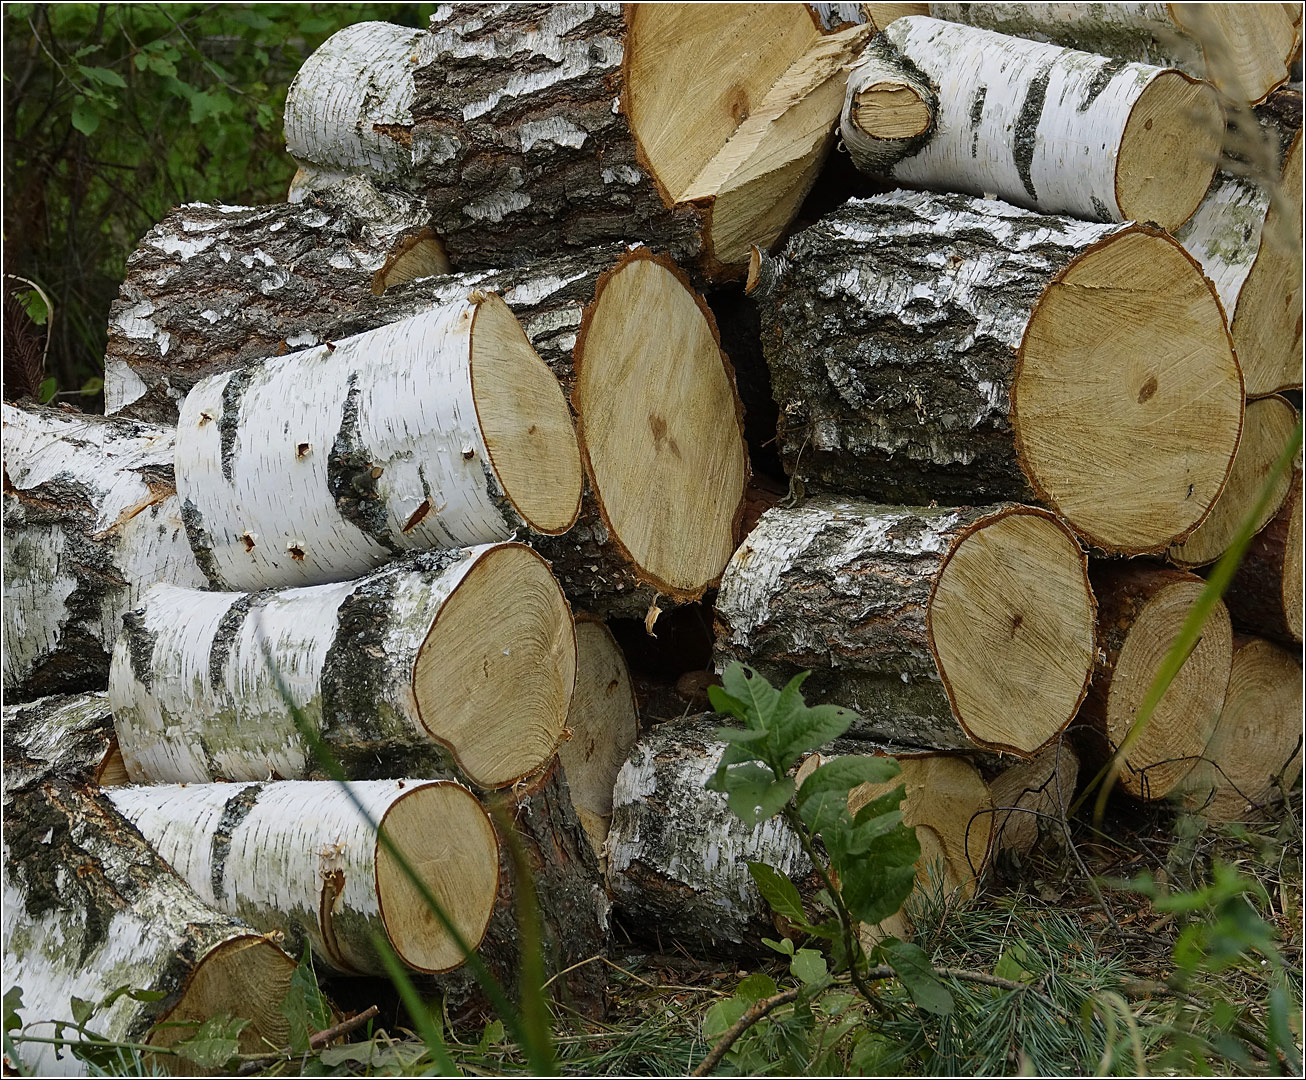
point(89, 908)
point(1265, 596)
point(213, 285)
point(940, 347)
point(438, 431)
point(678, 857)
point(454, 663)
point(1140, 612)
point(942, 628)
point(301, 859)
point(602, 726)
point(1268, 424)
point(1032, 797)
point(68, 735)
point(1244, 49)
point(91, 520)
point(1255, 750)
point(538, 127)
point(951, 107)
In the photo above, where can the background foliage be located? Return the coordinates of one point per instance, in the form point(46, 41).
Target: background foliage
point(113, 114)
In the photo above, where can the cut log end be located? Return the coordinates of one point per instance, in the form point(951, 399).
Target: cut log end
point(495, 675)
point(1247, 47)
point(1267, 426)
point(420, 256)
point(449, 840)
point(1100, 440)
point(1169, 150)
point(1011, 622)
point(891, 110)
point(660, 425)
point(525, 421)
point(604, 723)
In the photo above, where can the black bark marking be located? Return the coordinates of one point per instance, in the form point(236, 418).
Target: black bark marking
point(1107, 70)
point(140, 646)
point(1100, 208)
point(229, 424)
point(201, 544)
point(352, 476)
point(977, 106)
point(234, 811)
point(1024, 135)
point(225, 636)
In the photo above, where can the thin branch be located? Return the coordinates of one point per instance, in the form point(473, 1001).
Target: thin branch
point(252, 1063)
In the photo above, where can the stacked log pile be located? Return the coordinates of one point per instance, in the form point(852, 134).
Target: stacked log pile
point(390, 469)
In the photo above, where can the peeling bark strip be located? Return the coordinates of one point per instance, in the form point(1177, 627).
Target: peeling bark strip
point(315, 471)
point(1140, 611)
point(943, 628)
point(1052, 129)
point(539, 127)
point(940, 347)
point(1244, 49)
point(1265, 596)
point(451, 663)
point(91, 520)
point(303, 861)
point(89, 907)
point(70, 737)
point(678, 858)
point(212, 287)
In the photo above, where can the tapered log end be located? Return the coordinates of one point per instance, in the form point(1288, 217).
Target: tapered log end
point(1012, 623)
point(1267, 426)
point(660, 424)
point(495, 676)
point(1292, 566)
point(1169, 150)
point(1127, 400)
point(449, 840)
point(1247, 47)
point(603, 722)
point(246, 976)
point(525, 421)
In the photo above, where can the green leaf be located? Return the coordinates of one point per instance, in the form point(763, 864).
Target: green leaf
point(1012, 963)
point(869, 812)
point(809, 966)
point(81, 1010)
point(784, 946)
point(756, 987)
point(876, 884)
point(800, 727)
point(823, 798)
point(873, 1054)
point(12, 1004)
point(753, 794)
point(214, 1043)
point(721, 1016)
point(92, 386)
point(161, 65)
point(913, 968)
point(103, 76)
point(491, 1036)
point(304, 1007)
point(724, 703)
point(86, 117)
point(48, 389)
point(778, 891)
point(34, 305)
point(739, 735)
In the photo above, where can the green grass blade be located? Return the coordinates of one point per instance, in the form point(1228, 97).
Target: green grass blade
point(421, 1017)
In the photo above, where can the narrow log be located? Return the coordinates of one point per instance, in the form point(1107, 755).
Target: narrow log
point(1031, 797)
point(678, 858)
point(603, 723)
point(1140, 612)
point(590, 145)
point(77, 874)
point(1255, 750)
point(1268, 424)
point(301, 859)
point(438, 431)
point(1265, 596)
point(896, 612)
point(71, 735)
point(1244, 49)
point(940, 347)
point(450, 664)
point(212, 285)
point(946, 106)
point(91, 520)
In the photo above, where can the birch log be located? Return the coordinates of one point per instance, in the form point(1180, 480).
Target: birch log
point(1244, 49)
point(678, 858)
point(602, 723)
point(1267, 426)
point(939, 347)
point(71, 735)
point(91, 520)
point(435, 432)
point(666, 464)
point(944, 628)
point(1255, 751)
point(531, 128)
point(1265, 596)
point(302, 859)
point(90, 908)
point(945, 106)
point(453, 663)
point(1140, 612)
point(213, 286)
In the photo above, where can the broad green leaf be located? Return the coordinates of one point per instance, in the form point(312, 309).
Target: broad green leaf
point(86, 117)
point(756, 987)
point(1012, 963)
point(304, 1007)
point(913, 968)
point(92, 386)
point(778, 891)
point(758, 696)
point(214, 1043)
point(161, 65)
point(809, 966)
point(48, 389)
point(887, 803)
point(877, 884)
point(834, 1004)
point(784, 946)
point(800, 727)
point(81, 1010)
point(725, 703)
point(34, 305)
point(13, 1004)
point(823, 796)
point(739, 735)
point(873, 1054)
point(103, 76)
point(721, 1016)
point(753, 794)
point(491, 1036)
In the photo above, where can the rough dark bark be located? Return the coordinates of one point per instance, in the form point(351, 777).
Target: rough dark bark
point(69, 736)
point(1265, 597)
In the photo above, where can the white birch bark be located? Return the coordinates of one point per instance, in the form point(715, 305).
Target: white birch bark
point(91, 520)
point(277, 464)
point(1037, 125)
point(1224, 235)
point(70, 736)
point(296, 858)
point(200, 680)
